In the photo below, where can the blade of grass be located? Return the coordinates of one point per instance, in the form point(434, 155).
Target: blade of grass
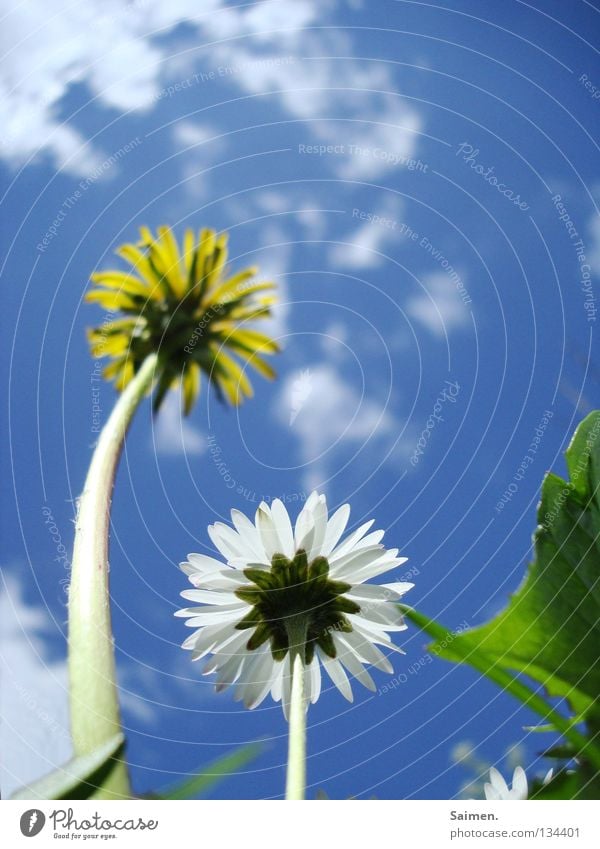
point(210, 775)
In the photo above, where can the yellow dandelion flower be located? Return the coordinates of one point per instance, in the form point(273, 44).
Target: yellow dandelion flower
point(182, 305)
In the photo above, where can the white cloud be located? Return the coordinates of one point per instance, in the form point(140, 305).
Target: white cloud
point(439, 307)
point(119, 51)
point(313, 220)
point(190, 134)
point(273, 262)
point(173, 434)
point(112, 47)
point(272, 201)
point(345, 101)
point(335, 340)
point(326, 412)
point(46, 51)
point(34, 735)
point(34, 710)
point(364, 246)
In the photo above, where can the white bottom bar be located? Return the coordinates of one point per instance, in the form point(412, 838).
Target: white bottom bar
point(262, 825)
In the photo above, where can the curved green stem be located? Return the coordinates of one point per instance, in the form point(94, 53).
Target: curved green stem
point(95, 714)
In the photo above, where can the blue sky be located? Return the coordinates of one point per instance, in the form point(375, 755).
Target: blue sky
point(395, 167)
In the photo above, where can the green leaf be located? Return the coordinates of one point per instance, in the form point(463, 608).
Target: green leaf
point(211, 774)
point(561, 753)
point(550, 629)
point(567, 785)
point(79, 777)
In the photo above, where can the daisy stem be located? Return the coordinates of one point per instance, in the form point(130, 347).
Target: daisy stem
point(296, 766)
point(94, 702)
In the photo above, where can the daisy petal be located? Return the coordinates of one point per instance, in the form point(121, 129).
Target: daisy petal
point(268, 531)
point(336, 672)
point(284, 527)
point(203, 640)
point(491, 794)
point(258, 673)
point(350, 541)
point(314, 682)
point(352, 563)
point(202, 564)
point(248, 532)
point(207, 597)
point(378, 567)
point(319, 530)
point(226, 540)
point(366, 651)
point(305, 521)
point(349, 659)
point(498, 783)
point(335, 528)
point(519, 783)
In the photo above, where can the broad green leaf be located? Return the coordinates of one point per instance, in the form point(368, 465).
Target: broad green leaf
point(78, 778)
point(211, 774)
point(550, 629)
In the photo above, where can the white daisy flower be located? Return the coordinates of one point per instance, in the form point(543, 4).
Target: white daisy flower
point(498, 789)
point(292, 590)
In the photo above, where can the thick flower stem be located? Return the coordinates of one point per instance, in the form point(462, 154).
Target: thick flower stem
point(296, 767)
point(95, 714)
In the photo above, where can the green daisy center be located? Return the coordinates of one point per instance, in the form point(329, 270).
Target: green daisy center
point(294, 597)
